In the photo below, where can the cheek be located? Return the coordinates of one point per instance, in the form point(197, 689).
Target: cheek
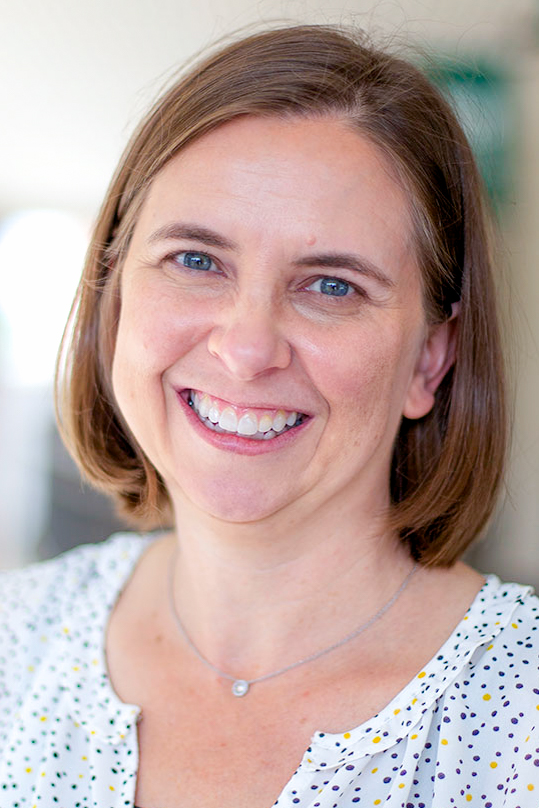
point(365, 378)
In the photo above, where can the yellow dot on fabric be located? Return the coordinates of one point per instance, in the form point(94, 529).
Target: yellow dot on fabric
point(397, 711)
point(28, 770)
point(43, 774)
point(374, 770)
point(515, 625)
point(468, 797)
point(401, 785)
point(491, 646)
point(487, 697)
point(84, 757)
point(414, 701)
point(413, 737)
point(497, 623)
point(65, 630)
point(465, 618)
point(76, 668)
point(43, 638)
point(531, 787)
point(377, 739)
point(43, 718)
point(377, 802)
point(309, 760)
point(421, 675)
point(346, 735)
point(444, 741)
point(111, 788)
point(31, 668)
point(94, 662)
point(81, 776)
point(493, 765)
point(527, 739)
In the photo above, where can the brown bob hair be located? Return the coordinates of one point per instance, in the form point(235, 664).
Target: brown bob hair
point(446, 466)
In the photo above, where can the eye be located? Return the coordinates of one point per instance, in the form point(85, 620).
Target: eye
point(194, 260)
point(333, 287)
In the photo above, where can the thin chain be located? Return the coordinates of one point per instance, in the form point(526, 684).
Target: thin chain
point(317, 654)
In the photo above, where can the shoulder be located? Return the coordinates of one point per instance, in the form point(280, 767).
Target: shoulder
point(499, 642)
point(41, 591)
point(47, 602)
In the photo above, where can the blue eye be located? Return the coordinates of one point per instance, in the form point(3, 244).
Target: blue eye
point(333, 287)
point(195, 260)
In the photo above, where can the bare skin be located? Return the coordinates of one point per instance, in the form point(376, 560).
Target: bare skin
point(199, 745)
point(265, 273)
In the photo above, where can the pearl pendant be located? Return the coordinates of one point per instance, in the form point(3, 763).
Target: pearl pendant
point(240, 687)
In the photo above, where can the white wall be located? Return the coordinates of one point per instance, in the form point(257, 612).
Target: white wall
point(77, 76)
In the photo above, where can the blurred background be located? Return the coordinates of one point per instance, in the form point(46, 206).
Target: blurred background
point(77, 77)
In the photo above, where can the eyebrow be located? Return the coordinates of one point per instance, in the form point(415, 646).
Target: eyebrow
point(193, 232)
point(356, 263)
point(336, 260)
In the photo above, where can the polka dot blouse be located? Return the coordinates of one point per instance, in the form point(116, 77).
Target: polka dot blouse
point(463, 732)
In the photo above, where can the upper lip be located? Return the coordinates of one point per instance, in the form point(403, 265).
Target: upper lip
point(243, 404)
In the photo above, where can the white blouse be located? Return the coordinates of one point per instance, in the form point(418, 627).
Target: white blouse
point(463, 732)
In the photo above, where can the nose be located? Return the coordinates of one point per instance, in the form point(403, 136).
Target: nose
point(248, 341)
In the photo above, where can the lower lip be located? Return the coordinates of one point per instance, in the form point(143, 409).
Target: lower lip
point(237, 443)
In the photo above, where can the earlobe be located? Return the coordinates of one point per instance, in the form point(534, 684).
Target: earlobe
point(436, 358)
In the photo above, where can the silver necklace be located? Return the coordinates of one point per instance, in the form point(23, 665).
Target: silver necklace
point(240, 687)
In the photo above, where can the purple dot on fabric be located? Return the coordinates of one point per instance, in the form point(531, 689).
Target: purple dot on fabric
point(335, 788)
point(349, 768)
point(514, 720)
point(441, 776)
point(536, 762)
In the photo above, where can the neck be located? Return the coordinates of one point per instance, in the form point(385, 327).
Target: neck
point(254, 597)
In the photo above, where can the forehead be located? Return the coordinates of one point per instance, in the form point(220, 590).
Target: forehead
point(295, 179)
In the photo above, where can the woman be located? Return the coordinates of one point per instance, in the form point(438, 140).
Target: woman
point(285, 354)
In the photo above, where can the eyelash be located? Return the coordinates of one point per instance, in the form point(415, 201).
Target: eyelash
point(351, 289)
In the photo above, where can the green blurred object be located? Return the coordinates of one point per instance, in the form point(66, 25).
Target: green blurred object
point(480, 93)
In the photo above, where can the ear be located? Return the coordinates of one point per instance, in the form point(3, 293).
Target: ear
point(436, 357)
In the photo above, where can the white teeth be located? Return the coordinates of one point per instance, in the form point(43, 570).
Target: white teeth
point(265, 423)
point(264, 427)
point(203, 407)
point(292, 418)
point(279, 421)
point(228, 420)
point(247, 424)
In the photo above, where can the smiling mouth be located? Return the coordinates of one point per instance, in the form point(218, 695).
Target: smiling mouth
point(247, 423)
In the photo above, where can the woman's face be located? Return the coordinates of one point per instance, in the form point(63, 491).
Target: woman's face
point(271, 287)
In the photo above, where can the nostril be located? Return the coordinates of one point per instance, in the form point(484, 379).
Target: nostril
point(249, 347)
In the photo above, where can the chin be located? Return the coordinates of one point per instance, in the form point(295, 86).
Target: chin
point(235, 502)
